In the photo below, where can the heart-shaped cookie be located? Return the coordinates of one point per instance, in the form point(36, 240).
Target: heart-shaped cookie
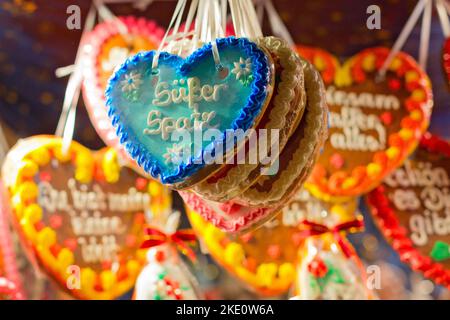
point(412, 208)
point(104, 49)
point(151, 107)
point(374, 124)
point(265, 258)
point(80, 215)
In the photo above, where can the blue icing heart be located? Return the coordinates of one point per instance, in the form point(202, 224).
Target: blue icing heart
point(147, 106)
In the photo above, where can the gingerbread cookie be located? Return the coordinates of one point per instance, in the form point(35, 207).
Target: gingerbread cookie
point(374, 123)
point(80, 215)
point(183, 98)
point(412, 208)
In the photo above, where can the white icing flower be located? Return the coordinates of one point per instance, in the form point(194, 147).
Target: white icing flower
point(131, 82)
point(174, 154)
point(117, 56)
point(242, 68)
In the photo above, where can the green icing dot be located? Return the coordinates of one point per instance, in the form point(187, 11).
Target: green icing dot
point(440, 251)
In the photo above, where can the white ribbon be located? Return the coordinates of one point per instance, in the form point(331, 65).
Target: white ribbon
point(425, 35)
point(404, 34)
point(443, 12)
point(4, 147)
point(276, 23)
point(178, 12)
point(66, 123)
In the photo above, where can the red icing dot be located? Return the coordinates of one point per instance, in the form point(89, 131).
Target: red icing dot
point(317, 268)
point(160, 256)
point(55, 221)
point(45, 176)
point(71, 244)
point(328, 76)
point(55, 249)
point(413, 85)
point(39, 225)
point(246, 237)
point(297, 238)
point(141, 183)
point(386, 118)
point(139, 218)
point(250, 264)
point(106, 265)
point(412, 105)
point(394, 84)
point(274, 251)
point(130, 240)
point(337, 161)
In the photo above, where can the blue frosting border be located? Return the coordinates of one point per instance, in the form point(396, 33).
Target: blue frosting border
point(244, 121)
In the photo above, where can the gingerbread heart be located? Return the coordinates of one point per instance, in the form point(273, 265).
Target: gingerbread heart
point(412, 208)
point(188, 95)
point(374, 123)
point(80, 215)
point(104, 49)
point(264, 259)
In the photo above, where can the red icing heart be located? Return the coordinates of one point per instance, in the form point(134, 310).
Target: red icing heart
point(411, 208)
point(77, 225)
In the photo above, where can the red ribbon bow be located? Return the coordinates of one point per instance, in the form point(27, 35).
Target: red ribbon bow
point(182, 240)
point(318, 229)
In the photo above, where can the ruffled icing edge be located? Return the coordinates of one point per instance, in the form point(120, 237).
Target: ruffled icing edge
point(291, 76)
point(195, 203)
point(315, 131)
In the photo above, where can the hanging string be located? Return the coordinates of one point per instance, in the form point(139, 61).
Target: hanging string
point(214, 16)
point(443, 17)
point(187, 26)
point(178, 11)
point(276, 23)
point(425, 35)
point(4, 147)
point(66, 123)
point(404, 34)
point(236, 18)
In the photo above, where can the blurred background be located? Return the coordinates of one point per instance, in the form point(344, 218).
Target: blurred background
point(34, 41)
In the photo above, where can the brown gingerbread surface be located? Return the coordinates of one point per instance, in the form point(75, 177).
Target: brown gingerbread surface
point(101, 222)
point(419, 193)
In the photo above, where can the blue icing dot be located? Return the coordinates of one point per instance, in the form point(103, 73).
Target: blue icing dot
point(236, 107)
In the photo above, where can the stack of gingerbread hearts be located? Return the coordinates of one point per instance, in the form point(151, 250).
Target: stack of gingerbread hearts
point(235, 126)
